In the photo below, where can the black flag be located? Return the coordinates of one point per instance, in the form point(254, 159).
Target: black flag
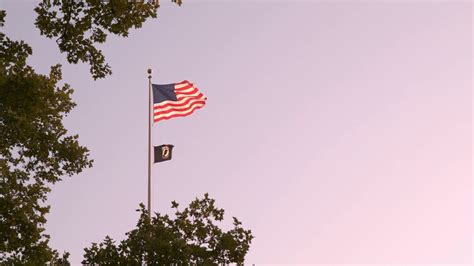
point(163, 152)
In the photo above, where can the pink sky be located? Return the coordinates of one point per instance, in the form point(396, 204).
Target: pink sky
point(339, 132)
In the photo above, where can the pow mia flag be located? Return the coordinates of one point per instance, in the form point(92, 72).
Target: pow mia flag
point(163, 152)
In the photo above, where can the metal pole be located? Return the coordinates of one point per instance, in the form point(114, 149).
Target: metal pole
point(149, 140)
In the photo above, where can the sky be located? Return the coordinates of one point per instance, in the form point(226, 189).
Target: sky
point(339, 132)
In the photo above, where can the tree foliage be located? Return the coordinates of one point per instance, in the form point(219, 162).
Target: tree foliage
point(191, 237)
point(35, 151)
point(78, 26)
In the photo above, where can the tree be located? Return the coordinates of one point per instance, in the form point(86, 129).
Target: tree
point(79, 26)
point(192, 237)
point(35, 149)
point(35, 152)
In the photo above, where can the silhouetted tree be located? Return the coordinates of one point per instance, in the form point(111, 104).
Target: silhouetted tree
point(78, 26)
point(191, 237)
point(35, 149)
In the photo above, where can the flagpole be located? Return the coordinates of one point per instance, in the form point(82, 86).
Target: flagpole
point(149, 141)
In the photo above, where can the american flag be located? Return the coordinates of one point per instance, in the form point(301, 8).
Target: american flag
point(176, 99)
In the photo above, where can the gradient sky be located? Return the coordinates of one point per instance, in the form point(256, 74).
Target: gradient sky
point(338, 132)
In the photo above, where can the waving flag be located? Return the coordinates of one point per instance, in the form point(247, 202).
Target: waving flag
point(163, 152)
point(176, 99)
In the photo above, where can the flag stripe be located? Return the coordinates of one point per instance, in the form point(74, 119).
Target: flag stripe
point(188, 94)
point(183, 83)
point(177, 114)
point(180, 108)
point(186, 90)
point(183, 87)
point(174, 112)
point(180, 102)
point(195, 95)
